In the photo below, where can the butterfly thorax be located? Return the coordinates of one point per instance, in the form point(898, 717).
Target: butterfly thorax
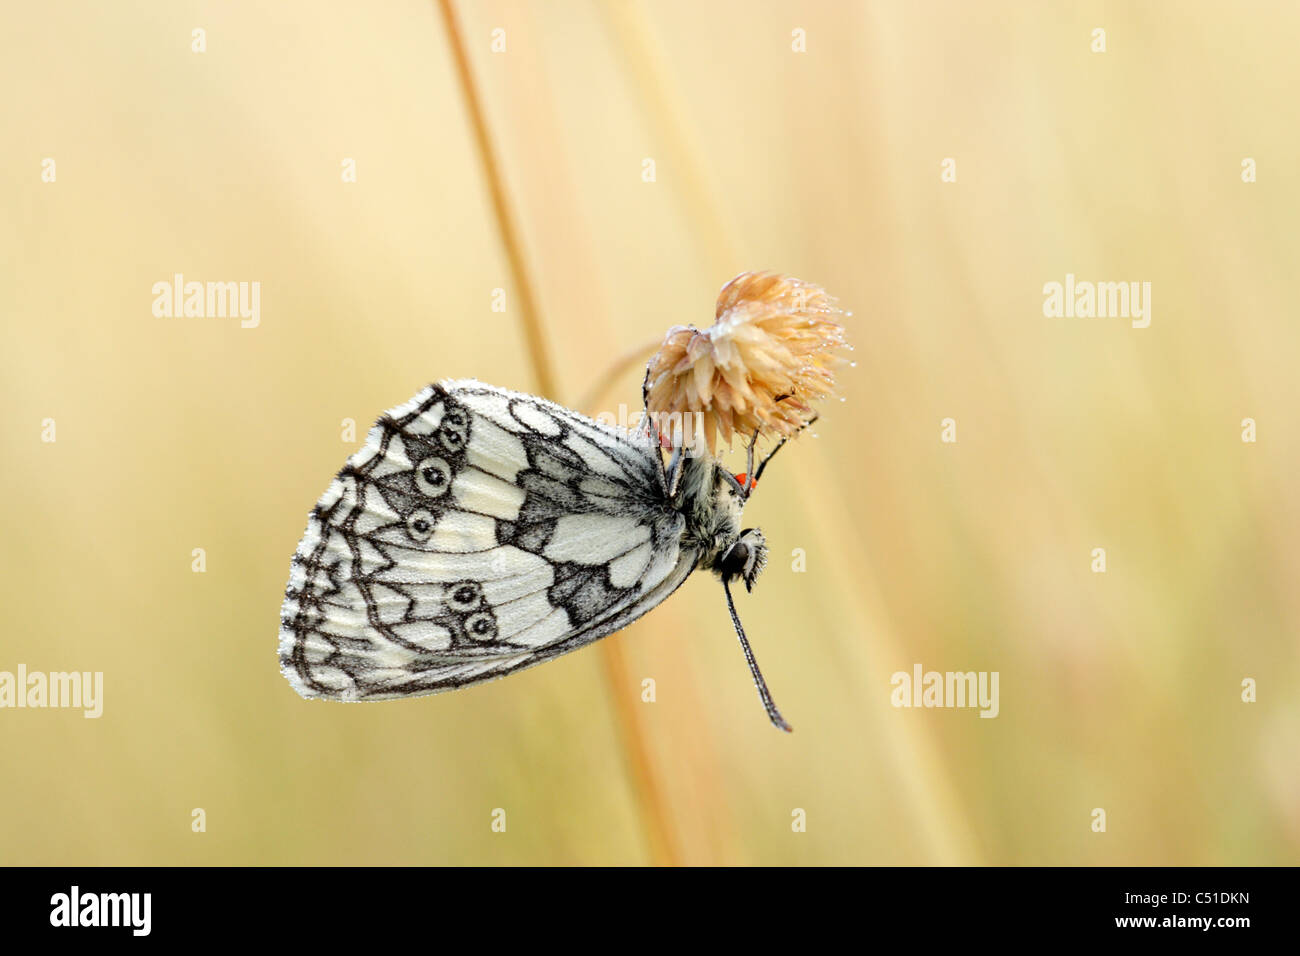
point(710, 500)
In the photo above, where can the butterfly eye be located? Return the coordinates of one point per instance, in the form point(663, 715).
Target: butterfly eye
point(481, 626)
point(433, 477)
point(464, 597)
point(734, 561)
point(420, 525)
point(740, 480)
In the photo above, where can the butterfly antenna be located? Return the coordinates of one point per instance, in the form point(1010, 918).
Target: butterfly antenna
point(764, 695)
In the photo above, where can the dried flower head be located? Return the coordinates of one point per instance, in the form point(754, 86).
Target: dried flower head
point(759, 368)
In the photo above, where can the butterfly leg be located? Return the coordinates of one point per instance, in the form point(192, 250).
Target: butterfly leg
point(771, 454)
point(669, 476)
point(751, 479)
point(674, 472)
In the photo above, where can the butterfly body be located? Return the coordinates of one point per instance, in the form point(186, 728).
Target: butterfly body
point(479, 531)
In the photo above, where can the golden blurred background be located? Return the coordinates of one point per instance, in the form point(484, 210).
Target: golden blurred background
point(803, 137)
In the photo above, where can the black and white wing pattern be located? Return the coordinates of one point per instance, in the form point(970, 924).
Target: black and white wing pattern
point(477, 532)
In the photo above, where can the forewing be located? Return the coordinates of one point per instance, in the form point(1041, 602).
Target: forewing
point(477, 531)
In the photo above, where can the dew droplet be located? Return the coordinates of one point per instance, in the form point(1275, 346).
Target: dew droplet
point(853, 365)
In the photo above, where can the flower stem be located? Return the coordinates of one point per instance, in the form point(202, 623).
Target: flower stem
point(648, 793)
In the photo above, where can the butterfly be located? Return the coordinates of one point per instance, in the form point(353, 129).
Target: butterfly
point(479, 531)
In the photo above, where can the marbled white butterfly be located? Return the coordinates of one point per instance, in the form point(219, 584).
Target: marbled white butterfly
point(480, 531)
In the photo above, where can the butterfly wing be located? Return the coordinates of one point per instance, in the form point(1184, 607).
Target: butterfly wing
point(477, 532)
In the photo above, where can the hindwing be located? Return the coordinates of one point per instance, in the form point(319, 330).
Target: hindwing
point(476, 532)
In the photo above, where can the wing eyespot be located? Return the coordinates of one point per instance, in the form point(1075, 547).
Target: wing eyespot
point(481, 627)
point(465, 596)
point(433, 477)
point(419, 526)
